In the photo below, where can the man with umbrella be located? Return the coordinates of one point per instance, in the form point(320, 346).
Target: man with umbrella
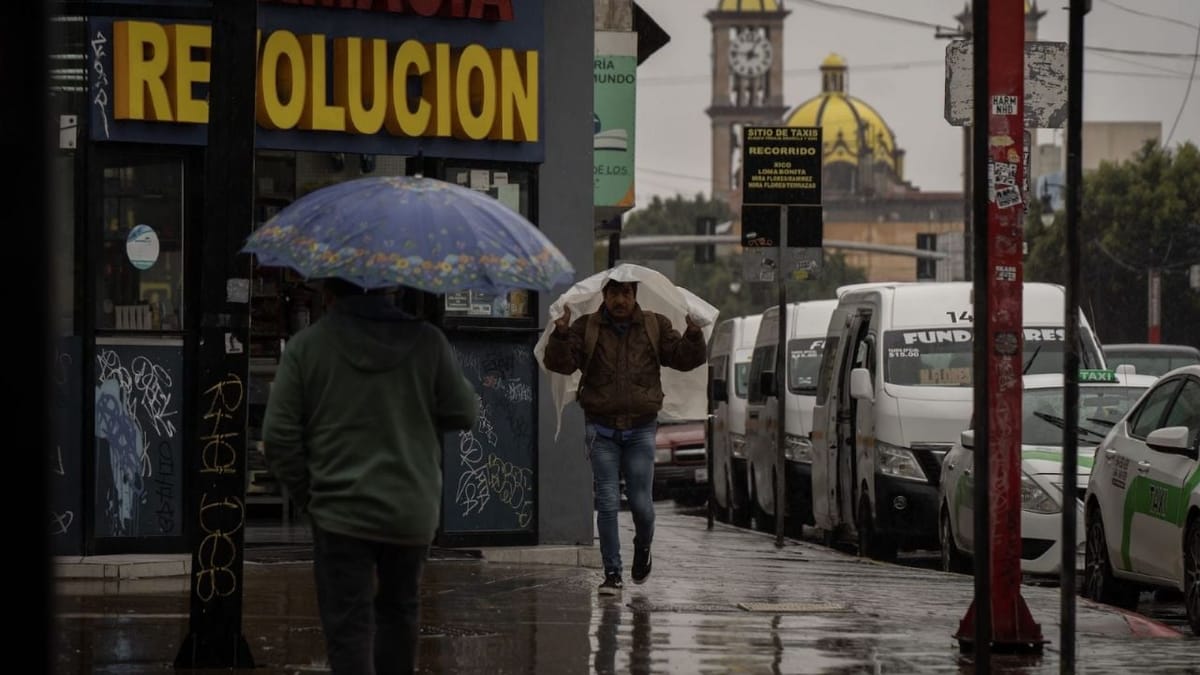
point(619, 350)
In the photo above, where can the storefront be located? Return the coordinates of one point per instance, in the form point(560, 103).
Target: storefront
point(455, 89)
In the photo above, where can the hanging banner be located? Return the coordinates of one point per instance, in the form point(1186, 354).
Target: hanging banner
point(614, 118)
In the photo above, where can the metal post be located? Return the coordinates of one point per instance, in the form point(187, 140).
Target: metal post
point(217, 487)
point(708, 452)
point(781, 384)
point(1154, 306)
point(1071, 322)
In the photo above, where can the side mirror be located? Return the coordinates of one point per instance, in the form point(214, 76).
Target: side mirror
point(720, 390)
point(1171, 440)
point(967, 438)
point(860, 385)
point(766, 383)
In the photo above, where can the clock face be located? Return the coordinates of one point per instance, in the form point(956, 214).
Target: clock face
point(750, 53)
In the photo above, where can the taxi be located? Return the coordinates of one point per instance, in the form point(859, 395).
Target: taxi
point(1104, 397)
point(1143, 499)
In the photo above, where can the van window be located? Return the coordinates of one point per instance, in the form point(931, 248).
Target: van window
point(762, 361)
point(741, 379)
point(942, 357)
point(831, 345)
point(804, 364)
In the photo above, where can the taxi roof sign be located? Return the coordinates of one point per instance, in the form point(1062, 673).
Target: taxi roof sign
point(1098, 375)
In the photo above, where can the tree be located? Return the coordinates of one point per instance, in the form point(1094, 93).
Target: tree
point(1138, 215)
point(720, 283)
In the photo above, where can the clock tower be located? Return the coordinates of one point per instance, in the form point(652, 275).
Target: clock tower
point(747, 83)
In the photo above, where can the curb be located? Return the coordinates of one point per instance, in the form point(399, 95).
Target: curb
point(122, 567)
point(569, 556)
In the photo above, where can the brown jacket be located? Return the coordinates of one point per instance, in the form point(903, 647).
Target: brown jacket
point(621, 387)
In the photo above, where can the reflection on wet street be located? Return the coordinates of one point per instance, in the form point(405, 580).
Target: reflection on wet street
point(815, 610)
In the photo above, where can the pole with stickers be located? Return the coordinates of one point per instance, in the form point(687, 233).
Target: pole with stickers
point(782, 233)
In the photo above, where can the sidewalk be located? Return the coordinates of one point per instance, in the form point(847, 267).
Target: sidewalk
point(719, 601)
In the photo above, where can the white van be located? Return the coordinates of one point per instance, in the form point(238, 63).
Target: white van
point(806, 325)
point(729, 369)
point(895, 394)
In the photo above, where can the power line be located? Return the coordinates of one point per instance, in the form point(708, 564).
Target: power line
point(671, 174)
point(1186, 93)
point(875, 15)
point(1140, 52)
point(1164, 69)
point(1148, 15)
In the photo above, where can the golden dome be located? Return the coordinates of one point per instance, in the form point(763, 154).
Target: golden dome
point(833, 61)
point(847, 123)
point(749, 6)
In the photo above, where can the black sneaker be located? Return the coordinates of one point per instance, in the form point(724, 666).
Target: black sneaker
point(612, 585)
point(641, 563)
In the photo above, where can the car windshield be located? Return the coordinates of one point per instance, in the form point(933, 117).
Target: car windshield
point(1151, 363)
point(1100, 407)
point(804, 364)
point(741, 379)
point(941, 357)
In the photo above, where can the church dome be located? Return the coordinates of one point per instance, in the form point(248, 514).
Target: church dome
point(849, 127)
point(749, 6)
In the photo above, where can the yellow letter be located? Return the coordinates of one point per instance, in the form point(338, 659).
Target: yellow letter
point(187, 72)
point(360, 82)
point(518, 99)
point(318, 114)
point(141, 55)
point(402, 119)
point(471, 91)
point(439, 82)
point(275, 83)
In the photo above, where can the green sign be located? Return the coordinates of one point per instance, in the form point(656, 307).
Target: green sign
point(1097, 376)
point(614, 118)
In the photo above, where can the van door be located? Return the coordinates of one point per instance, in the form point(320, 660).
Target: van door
point(846, 415)
point(760, 442)
point(863, 469)
point(824, 431)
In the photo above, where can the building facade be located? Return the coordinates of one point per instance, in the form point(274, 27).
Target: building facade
point(344, 90)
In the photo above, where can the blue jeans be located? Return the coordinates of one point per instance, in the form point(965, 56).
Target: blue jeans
point(613, 453)
point(368, 596)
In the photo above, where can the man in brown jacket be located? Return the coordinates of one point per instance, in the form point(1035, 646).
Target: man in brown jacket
point(620, 350)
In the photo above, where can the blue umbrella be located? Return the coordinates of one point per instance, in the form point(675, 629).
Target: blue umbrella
point(413, 231)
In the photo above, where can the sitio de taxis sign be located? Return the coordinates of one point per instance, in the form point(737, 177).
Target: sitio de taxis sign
point(451, 78)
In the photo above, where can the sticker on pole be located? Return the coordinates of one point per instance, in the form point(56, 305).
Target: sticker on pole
point(1004, 105)
point(1008, 197)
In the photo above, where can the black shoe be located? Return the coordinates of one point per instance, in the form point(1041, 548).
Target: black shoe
point(641, 563)
point(612, 585)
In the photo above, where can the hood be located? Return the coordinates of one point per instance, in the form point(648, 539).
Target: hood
point(1047, 460)
point(372, 334)
point(928, 421)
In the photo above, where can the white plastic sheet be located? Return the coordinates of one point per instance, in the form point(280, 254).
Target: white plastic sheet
point(685, 394)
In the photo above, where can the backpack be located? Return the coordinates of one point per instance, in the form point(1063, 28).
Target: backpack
point(591, 334)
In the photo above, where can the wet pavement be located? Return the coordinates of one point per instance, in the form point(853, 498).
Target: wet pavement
point(725, 601)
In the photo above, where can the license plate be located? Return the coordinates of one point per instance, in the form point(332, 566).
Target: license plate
point(701, 475)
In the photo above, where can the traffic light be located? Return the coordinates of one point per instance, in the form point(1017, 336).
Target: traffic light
point(707, 252)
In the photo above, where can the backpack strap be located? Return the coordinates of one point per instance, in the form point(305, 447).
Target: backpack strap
point(591, 333)
point(652, 328)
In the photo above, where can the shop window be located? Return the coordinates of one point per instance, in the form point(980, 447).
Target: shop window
point(140, 272)
point(510, 186)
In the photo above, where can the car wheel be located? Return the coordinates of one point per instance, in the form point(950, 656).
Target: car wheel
point(953, 560)
point(871, 544)
point(1191, 573)
point(1099, 584)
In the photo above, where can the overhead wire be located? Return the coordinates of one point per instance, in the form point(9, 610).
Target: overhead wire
point(1149, 15)
point(1188, 91)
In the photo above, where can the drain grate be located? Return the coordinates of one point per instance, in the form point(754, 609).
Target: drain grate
point(793, 607)
point(693, 607)
point(433, 630)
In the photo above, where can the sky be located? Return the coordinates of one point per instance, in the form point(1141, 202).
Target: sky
point(899, 69)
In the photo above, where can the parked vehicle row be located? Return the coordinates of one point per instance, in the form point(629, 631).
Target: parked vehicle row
point(878, 435)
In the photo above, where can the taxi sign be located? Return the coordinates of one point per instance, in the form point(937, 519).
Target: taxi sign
point(1097, 375)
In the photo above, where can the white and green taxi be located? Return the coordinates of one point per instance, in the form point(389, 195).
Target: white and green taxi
point(1104, 397)
point(1143, 499)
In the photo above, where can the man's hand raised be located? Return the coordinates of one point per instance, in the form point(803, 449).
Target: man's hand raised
point(563, 323)
point(692, 326)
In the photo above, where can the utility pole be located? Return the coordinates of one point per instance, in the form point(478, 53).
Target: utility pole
point(217, 492)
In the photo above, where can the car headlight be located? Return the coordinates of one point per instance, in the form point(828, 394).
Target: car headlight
point(1034, 497)
point(737, 445)
point(798, 449)
point(898, 462)
point(662, 455)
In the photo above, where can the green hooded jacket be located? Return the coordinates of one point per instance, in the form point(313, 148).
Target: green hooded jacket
point(355, 417)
